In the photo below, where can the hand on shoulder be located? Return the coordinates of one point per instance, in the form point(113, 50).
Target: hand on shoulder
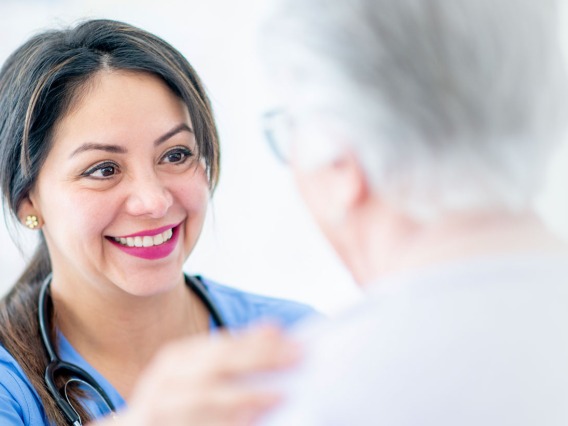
point(199, 380)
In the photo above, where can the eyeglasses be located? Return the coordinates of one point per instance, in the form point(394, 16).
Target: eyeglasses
point(277, 126)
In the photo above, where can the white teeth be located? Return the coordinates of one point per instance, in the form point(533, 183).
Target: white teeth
point(146, 241)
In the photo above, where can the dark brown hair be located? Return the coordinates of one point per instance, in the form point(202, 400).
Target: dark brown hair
point(38, 84)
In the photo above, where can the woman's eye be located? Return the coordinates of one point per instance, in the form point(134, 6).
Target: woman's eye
point(102, 171)
point(177, 156)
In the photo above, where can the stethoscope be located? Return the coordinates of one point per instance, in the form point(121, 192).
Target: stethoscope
point(58, 367)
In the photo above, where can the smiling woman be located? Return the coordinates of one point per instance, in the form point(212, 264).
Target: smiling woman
point(109, 149)
point(127, 145)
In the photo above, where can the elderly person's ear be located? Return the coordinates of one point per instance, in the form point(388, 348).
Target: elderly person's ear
point(335, 190)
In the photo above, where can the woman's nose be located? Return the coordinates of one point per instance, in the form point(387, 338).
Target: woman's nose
point(149, 196)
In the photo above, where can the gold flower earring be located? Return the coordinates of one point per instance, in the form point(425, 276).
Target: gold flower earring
point(32, 221)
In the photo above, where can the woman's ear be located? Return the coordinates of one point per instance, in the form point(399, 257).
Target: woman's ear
point(28, 214)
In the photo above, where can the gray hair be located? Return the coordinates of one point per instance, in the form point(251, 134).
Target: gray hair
point(451, 105)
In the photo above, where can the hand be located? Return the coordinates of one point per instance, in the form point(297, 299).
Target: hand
point(197, 381)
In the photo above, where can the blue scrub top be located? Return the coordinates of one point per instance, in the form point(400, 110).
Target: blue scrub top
point(20, 404)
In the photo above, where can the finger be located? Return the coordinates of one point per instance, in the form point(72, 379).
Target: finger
point(202, 362)
point(261, 349)
point(237, 404)
point(256, 351)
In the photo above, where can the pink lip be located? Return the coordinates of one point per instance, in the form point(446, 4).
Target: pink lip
point(154, 252)
point(150, 232)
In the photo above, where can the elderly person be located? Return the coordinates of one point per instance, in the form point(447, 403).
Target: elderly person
point(418, 132)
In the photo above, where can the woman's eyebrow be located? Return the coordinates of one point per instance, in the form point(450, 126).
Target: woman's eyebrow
point(116, 149)
point(89, 146)
point(179, 128)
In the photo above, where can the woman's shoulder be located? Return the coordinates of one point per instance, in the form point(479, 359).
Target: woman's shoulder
point(240, 308)
point(19, 402)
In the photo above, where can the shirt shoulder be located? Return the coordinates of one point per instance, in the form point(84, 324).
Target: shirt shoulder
point(19, 402)
point(240, 308)
point(485, 339)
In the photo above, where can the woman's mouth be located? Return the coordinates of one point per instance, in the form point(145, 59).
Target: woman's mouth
point(145, 241)
point(150, 245)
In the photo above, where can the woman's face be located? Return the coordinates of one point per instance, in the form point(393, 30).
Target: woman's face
point(121, 194)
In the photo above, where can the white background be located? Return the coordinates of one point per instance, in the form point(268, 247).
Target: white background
point(258, 235)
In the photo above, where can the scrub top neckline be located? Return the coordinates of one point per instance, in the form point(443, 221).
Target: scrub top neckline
point(69, 354)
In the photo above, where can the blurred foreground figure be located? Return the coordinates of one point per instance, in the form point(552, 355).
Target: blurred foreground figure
point(418, 132)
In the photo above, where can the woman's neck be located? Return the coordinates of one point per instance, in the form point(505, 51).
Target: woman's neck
point(119, 335)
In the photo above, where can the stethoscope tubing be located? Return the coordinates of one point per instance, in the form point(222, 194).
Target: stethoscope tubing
point(56, 365)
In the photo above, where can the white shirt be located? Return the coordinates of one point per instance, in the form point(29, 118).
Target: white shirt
point(483, 342)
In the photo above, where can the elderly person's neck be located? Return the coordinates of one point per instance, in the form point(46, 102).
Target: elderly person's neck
point(393, 243)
